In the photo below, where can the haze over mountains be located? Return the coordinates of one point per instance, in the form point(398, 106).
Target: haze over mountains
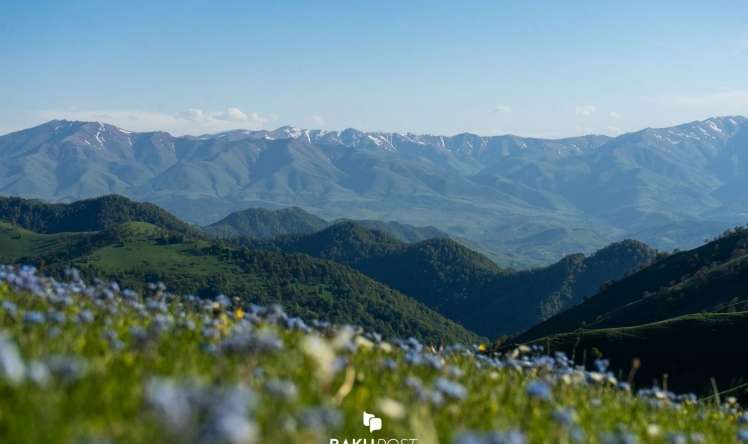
point(537, 198)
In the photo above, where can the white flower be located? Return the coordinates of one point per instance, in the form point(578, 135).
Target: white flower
point(12, 367)
point(391, 408)
point(322, 354)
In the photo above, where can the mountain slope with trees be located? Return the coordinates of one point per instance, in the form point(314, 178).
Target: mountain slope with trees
point(136, 252)
point(85, 215)
point(710, 278)
point(464, 285)
point(264, 223)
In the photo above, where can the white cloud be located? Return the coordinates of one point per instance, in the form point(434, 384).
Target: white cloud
point(191, 121)
point(613, 131)
point(585, 110)
point(233, 115)
point(316, 121)
point(502, 109)
point(614, 115)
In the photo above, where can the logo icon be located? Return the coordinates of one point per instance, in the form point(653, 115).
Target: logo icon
point(372, 422)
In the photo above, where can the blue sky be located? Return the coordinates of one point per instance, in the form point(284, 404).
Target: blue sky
point(535, 68)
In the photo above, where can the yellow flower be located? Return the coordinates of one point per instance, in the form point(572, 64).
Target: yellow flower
point(239, 313)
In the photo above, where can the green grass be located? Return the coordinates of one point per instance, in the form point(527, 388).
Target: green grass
point(108, 401)
point(15, 242)
point(690, 350)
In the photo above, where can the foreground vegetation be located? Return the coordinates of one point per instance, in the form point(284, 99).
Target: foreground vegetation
point(91, 363)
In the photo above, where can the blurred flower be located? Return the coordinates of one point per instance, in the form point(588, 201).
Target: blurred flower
point(391, 408)
point(450, 388)
point(743, 435)
point(539, 390)
point(34, 317)
point(565, 416)
point(322, 354)
point(12, 367)
point(283, 389)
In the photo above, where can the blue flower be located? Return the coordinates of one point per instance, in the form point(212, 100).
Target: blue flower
point(539, 390)
point(34, 317)
point(450, 388)
point(743, 435)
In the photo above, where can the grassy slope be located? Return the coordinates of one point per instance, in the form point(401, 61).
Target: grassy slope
point(707, 279)
point(306, 287)
point(16, 242)
point(689, 349)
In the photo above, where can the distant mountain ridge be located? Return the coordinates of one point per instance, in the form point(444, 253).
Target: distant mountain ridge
point(673, 185)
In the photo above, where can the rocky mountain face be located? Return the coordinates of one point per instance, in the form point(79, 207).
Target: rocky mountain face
point(539, 199)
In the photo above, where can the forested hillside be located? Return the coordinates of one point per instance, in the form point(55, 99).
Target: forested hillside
point(466, 286)
point(85, 215)
point(135, 253)
point(711, 278)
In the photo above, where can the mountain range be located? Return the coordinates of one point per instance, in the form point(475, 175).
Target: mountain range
point(536, 199)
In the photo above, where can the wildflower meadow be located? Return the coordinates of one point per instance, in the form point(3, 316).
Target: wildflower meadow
point(95, 363)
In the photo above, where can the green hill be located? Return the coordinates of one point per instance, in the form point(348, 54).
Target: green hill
point(264, 223)
point(710, 278)
point(690, 350)
point(464, 285)
point(403, 232)
point(261, 223)
point(136, 252)
point(85, 215)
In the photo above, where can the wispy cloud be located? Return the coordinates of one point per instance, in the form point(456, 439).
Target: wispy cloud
point(613, 131)
point(502, 109)
point(191, 121)
point(316, 121)
point(614, 115)
point(585, 110)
